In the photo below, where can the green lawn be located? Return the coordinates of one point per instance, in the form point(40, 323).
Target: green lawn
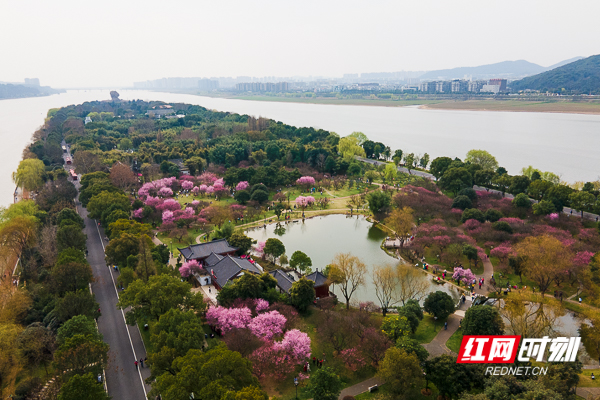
point(428, 328)
point(455, 340)
point(504, 275)
point(585, 379)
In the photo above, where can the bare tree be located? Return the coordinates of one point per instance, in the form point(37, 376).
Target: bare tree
point(122, 176)
point(349, 272)
point(385, 278)
point(412, 284)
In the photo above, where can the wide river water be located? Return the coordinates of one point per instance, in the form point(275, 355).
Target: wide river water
point(566, 144)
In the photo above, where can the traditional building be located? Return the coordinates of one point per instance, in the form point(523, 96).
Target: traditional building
point(201, 251)
point(321, 284)
point(284, 280)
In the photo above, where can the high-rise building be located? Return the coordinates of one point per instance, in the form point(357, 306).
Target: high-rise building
point(498, 82)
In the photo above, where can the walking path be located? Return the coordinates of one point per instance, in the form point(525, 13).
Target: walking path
point(359, 388)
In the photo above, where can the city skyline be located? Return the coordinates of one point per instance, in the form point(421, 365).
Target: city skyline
point(70, 44)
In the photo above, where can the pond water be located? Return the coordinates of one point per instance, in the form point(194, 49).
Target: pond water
point(321, 238)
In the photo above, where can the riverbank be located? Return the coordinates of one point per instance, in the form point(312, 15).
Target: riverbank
point(490, 104)
point(563, 107)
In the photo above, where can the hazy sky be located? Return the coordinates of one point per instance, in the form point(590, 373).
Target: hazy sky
point(74, 43)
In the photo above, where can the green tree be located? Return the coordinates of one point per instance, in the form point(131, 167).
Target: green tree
point(397, 157)
point(324, 384)
point(302, 294)
point(539, 188)
point(409, 160)
point(482, 158)
point(472, 213)
point(30, 174)
point(544, 207)
point(359, 136)
point(278, 209)
point(274, 248)
point(103, 200)
point(83, 387)
point(455, 179)
point(146, 266)
point(462, 202)
point(439, 304)
point(482, 320)
point(582, 201)
point(452, 378)
point(391, 173)
point(149, 300)
point(493, 215)
point(241, 241)
point(213, 375)
point(36, 344)
point(175, 333)
point(301, 261)
point(559, 196)
point(590, 336)
point(249, 286)
point(395, 326)
point(70, 277)
point(400, 370)
point(78, 325)
point(69, 214)
point(471, 253)
point(81, 302)
point(439, 165)
point(522, 201)
point(349, 147)
point(81, 353)
point(412, 346)
point(70, 236)
point(119, 249)
point(379, 203)
point(519, 184)
point(563, 377)
point(424, 161)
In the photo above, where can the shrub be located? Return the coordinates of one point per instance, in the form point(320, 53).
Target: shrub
point(472, 213)
point(493, 215)
point(469, 192)
point(522, 200)
point(462, 202)
point(502, 226)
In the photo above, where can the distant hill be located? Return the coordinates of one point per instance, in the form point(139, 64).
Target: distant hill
point(10, 91)
point(582, 76)
point(504, 69)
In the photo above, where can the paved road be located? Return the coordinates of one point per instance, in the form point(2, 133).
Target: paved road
point(122, 378)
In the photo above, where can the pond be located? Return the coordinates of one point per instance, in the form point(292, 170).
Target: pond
point(321, 238)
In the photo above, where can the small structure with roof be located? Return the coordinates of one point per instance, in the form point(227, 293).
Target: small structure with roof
point(321, 284)
point(201, 251)
point(284, 280)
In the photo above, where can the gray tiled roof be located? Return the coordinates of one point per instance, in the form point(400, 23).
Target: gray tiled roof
point(228, 267)
point(203, 250)
point(283, 280)
point(213, 258)
point(318, 278)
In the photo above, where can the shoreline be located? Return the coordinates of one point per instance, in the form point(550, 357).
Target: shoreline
point(424, 104)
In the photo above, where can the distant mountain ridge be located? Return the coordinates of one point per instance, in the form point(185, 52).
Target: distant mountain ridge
point(10, 91)
point(578, 77)
point(505, 69)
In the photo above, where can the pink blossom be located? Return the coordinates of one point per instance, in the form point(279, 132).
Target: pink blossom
point(353, 358)
point(553, 216)
point(267, 325)
point(512, 221)
point(261, 305)
point(243, 185)
point(304, 201)
point(187, 185)
point(195, 203)
point(188, 268)
point(471, 224)
point(456, 211)
point(582, 258)
point(219, 182)
point(296, 344)
point(165, 192)
point(167, 216)
point(196, 190)
point(464, 275)
point(138, 213)
point(260, 248)
point(502, 252)
point(169, 204)
point(207, 178)
point(153, 201)
point(203, 188)
point(306, 181)
point(226, 319)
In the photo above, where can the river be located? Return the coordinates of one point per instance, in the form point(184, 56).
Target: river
point(566, 144)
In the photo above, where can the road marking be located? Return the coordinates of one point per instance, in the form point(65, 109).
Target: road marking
point(123, 314)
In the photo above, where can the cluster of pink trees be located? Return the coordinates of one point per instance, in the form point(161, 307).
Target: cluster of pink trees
point(243, 185)
point(305, 201)
point(273, 357)
point(464, 275)
point(306, 182)
point(153, 188)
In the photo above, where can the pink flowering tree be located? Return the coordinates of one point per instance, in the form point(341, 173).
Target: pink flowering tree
point(169, 204)
point(195, 190)
point(267, 325)
point(153, 201)
point(243, 185)
point(226, 319)
point(296, 344)
point(306, 182)
point(271, 361)
point(502, 252)
point(187, 185)
point(202, 188)
point(582, 258)
point(259, 248)
point(167, 216)
point(188, 268)
point(464, 275)
point(207, 178)
point(553, 217)
point(353, 359)
point(139, 213)
point(304, 201)
point(261, 305)
point(165, 192)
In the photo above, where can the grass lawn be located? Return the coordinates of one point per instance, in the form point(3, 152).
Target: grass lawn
point(146, 337)
point(190, 238)
point(428, 328)
point(455, 340)
point(503, 275)
point(585, 379)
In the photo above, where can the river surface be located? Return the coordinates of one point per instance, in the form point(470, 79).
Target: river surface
point(321, 238)
point(566, 144)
